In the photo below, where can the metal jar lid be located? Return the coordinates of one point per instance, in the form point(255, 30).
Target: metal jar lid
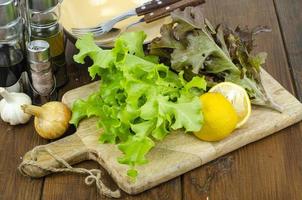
point(8, 11)
point(38, 51)
point(42, 5)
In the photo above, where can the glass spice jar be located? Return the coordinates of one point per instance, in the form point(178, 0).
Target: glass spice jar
point(42, 81)
point(43, 16)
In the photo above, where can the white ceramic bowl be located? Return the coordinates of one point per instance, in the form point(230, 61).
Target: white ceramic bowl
point(88, 13)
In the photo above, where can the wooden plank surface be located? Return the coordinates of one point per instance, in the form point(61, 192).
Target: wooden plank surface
point(268, 169)
point(14, 142)
point(290, 20)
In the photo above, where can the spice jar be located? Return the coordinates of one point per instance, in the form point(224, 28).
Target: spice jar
point(42, 81)
point(12, 62)
point(43, 17)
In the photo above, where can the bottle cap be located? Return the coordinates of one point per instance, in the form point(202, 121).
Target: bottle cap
point(38, 51)
point(8, 11)
point(42, 5)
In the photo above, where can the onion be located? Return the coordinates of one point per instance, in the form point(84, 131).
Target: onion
point(51, 119)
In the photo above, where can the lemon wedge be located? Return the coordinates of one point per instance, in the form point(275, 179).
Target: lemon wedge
point(238, 98)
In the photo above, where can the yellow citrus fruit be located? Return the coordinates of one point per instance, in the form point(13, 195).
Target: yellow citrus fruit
point(238, 97)
point(220, 117)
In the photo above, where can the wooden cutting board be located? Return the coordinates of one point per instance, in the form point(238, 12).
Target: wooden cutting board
point(177, 154)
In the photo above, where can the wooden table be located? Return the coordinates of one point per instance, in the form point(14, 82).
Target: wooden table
point(267, 169)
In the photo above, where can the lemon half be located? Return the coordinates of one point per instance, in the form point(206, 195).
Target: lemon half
point(238, 98)
point(220, 117)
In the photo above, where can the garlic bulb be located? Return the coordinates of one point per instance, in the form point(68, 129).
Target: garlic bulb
point(51, 119)
point(10, 107)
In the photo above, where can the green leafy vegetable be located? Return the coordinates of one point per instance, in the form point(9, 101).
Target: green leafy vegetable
point(139, 100)
point(191, 44)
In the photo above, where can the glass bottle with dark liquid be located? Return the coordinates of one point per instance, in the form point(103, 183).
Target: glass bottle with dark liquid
point(12, 61)
point(12, 65)
point(44, 25)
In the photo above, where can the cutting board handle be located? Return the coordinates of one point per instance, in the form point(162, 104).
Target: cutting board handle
point(43, 159)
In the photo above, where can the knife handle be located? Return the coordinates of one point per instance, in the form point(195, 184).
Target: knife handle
point(153, 5)
point(165, 11)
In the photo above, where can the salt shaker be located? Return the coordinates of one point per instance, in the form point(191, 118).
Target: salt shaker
point(42, 80)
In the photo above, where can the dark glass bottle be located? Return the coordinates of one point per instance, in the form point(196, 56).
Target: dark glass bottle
point(11, 65)
point(12, 61)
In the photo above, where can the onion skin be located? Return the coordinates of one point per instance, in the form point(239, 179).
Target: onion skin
point(51, 120)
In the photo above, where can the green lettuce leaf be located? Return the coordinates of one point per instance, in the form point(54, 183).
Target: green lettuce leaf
point(139, 100)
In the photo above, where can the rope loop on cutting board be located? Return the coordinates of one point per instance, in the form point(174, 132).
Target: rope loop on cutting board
point(93, 175)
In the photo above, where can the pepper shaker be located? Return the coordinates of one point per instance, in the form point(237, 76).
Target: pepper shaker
point(42, 80)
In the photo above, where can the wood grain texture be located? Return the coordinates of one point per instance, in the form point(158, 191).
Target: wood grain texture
point(14, 142)
point(265, 169)
point(175, 155)
point(290, 20)
point(268, 169)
